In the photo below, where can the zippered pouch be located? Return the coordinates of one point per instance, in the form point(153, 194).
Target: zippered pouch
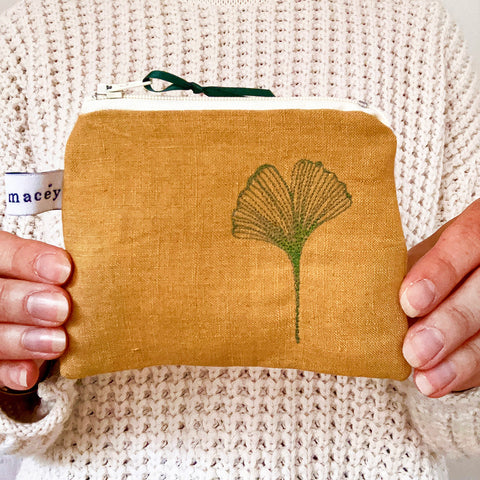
point(233, 232)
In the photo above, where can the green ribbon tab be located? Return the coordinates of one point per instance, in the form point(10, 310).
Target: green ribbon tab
point(181, 84)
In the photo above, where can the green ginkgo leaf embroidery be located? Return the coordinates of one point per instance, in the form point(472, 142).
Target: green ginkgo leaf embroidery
point(270, 210)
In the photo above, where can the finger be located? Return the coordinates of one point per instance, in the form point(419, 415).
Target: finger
point(473, 382)
point(32, 260)
point(440, 269)
point(451, 324)
point(30, 303)
point(419, 250)
point(459, 371)
point(18, 374)
point(20, 342)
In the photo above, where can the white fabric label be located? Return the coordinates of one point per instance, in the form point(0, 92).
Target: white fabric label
point(32, 193)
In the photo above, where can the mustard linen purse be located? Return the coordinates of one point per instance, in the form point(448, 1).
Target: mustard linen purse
point(233, 232)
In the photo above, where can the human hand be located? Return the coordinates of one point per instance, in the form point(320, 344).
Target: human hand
point(444, 289)
point(33, 308)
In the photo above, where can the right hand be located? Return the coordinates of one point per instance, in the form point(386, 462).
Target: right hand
point(33, 308)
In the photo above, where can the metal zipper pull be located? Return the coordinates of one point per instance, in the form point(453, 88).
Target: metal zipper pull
point(116, 90)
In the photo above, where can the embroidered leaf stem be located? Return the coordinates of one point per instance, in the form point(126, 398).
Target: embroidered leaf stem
point(270, 210)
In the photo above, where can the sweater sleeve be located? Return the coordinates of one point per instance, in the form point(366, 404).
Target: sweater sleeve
point(460, 183)
point(57, 394)
point(451, 425)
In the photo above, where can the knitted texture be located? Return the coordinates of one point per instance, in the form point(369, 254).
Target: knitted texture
point(406, 57)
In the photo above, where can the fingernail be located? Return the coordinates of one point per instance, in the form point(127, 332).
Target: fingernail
point(421, 347)
point(19, 376)
point(52, 307)
point(418, 297)
point(438, 378)
point(53, 267)
point(44, 340)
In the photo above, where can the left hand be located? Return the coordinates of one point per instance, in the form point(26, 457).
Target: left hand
point(442, 287)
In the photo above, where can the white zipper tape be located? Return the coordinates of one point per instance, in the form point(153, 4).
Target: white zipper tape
point(161, 102)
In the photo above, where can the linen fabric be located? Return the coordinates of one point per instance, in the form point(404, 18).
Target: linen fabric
point(408, 58)
point(160, 279)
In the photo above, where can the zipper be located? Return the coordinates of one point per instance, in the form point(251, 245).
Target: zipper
point(113, 97)
point(117, 90)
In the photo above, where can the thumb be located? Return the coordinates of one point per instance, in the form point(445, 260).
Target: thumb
point(420, 249)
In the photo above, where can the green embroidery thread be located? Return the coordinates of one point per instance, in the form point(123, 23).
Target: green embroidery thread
point(270, 210)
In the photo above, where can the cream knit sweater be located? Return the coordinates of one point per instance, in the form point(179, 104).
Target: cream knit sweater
point(177, 422)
